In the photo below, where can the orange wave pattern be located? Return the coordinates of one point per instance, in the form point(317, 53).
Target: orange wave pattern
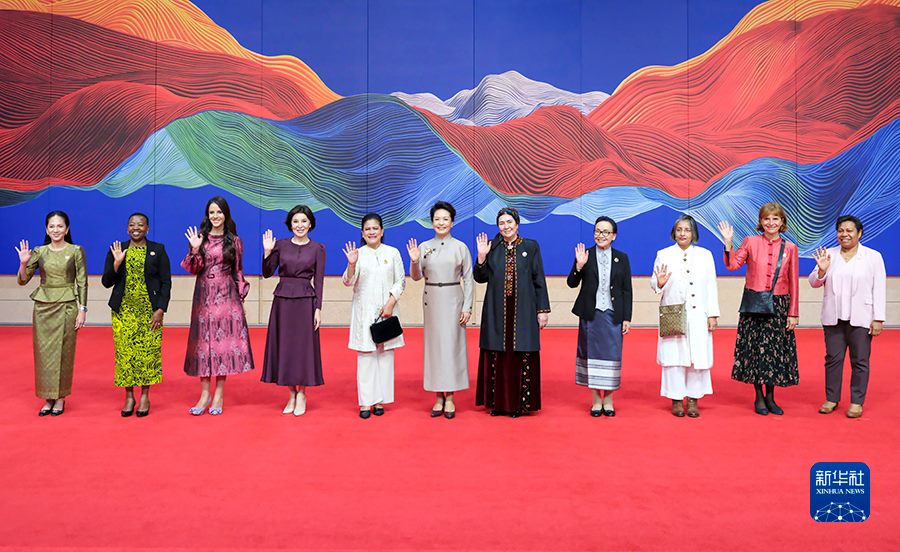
point(763, 14)
point(177, 23)
point(785, 90)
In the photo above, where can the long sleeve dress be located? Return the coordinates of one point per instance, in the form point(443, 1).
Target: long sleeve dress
point(446, 265)
point(509, 365)
point(765, 352)
point(218, 342)
point(686, 359)
point(63, 287)
point(293, 351)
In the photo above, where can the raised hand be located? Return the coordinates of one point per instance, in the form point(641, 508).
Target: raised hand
point(662, 275)
point(194, 237)
point(483, 244)
point(823, 260)
point(727, 234)
point(581, 256)
point(117, 252)
point(268, 242)
point(24, 252)
point(351, 252)
point(412, 247)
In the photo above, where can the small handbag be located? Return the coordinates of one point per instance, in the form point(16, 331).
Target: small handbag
point(762, 302)
point(385, 329)
point(672, 320)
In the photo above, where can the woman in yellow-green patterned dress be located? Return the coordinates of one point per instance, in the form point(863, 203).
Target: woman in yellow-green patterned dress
point(139, 273)
point(60, 309)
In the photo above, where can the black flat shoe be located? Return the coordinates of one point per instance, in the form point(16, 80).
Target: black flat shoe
point(142, 413)
point(596, 413)
point(364, 414)
point(609, 412)
point(58, 412)
point(450, 415)
point(497, 413)
point(774, 408)
point(378, 411)
point(436, 413)
point(515, 414)
point(43, 412)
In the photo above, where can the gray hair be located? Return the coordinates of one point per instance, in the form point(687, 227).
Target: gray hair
point(695, 233)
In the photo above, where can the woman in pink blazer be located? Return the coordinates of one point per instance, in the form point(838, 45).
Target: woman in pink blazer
point(765, 353)
point(853, 309)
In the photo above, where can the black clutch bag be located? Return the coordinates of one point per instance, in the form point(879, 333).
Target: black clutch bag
point(762, 302)
point(385, 330)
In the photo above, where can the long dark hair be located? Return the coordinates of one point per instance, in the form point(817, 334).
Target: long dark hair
point(65, 217)
point(228, 252)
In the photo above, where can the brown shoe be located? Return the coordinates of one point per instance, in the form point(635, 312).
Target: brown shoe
point(693, 411)
point(855, 411)
point(678, 408)
point(827, 407)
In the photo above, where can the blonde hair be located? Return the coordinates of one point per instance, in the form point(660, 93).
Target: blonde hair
point(772, 208)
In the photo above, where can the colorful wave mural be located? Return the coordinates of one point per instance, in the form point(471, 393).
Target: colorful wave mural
point(798, 103)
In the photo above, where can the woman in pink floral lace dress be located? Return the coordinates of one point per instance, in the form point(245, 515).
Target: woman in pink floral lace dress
point(218, 343)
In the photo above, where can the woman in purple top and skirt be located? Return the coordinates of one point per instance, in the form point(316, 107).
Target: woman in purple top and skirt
point(218, 342)
point(293, 354)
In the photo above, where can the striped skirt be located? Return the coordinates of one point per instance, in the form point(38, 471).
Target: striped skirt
point(599, 360)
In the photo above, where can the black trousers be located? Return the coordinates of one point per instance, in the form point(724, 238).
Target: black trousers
point(838, 339)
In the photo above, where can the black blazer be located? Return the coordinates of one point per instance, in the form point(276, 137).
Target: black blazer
point(157, 274)
point(589, 278)
point(531, 297)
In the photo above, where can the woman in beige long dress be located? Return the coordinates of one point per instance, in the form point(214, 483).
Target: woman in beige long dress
point(446, 265)
point(60, 309)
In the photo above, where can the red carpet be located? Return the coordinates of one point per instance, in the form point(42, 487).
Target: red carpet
point(560, 479)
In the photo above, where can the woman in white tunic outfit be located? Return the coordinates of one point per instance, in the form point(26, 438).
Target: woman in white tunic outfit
point(376, 273)
point(686, 274)
point(446, 265)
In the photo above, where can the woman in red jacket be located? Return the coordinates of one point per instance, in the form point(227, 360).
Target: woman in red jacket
point(766, 350)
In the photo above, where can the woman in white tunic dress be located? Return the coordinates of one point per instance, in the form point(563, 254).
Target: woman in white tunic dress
point(376, 273)
point(446, 265)
point(685, 274)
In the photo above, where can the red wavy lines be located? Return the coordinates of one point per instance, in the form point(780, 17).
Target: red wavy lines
point(802, 91)
point(78, 101)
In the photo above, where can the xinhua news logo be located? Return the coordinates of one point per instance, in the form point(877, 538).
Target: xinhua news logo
point(840, 492)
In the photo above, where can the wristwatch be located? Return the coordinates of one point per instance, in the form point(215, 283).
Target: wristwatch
point(83, 308)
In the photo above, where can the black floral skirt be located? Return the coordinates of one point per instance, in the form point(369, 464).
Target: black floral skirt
point(765, 352)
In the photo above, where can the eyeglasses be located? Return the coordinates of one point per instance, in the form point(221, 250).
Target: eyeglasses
point(603, 233)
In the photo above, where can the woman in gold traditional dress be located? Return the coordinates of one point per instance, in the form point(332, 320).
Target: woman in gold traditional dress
point(140, 275)
point(60, 309)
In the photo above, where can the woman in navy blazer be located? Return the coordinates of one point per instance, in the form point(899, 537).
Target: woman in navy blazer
point(138, 271)
point(604, 312)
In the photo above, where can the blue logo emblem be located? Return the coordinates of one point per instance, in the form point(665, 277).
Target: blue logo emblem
point(839, 491)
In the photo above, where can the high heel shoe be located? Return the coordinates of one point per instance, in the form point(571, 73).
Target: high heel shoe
point(129, 412)
point(215, 411)
point(436, 412)
point(55, 412)
point(300, 406)
point(45, 411)
point(142, 413)
point(760, 408)
point(198, 410)
point(289, 408)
